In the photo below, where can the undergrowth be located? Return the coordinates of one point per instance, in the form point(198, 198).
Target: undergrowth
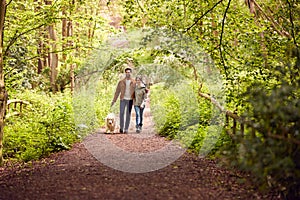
point(45, 126)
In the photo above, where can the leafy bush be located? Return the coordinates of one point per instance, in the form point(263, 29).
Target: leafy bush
point(84, 111)
point(270, 156)
point(179, 114)
point(45, 126)
point(172, 118)
point(103, 97)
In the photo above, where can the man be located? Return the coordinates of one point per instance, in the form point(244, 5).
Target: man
point(125, 89)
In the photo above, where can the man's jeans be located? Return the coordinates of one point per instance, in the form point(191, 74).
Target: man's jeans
point(125, 104)
point(139, 115)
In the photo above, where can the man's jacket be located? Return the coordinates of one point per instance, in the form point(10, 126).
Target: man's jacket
point(121, 89)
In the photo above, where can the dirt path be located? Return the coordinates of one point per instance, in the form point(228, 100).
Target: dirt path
point(123, 173)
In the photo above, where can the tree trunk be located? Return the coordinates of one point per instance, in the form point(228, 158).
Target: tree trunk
point(71, 44)
point(52, 55)
point(42, 60)
point(251, 5)
point(3, 92)
point(72, 76)
point(53, 58)
point(67, 33)
point(64, 33)
point(73, 65)
point(215, 31)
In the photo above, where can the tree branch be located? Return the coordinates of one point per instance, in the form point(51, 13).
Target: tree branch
point(198, 19)
point(273, 22)
point(9, 3)
point(16, 36)
point(221, 37)
point(292, 22)
point(140, 6)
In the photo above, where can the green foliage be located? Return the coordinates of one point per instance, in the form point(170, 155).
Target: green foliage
point(45, 126)
point(172, 117)
point(277, 112)
point(84, 110)
point(273, 163)
point(259, 60)
point(180, 115)
point(26, 41)
point(19, 73)
point(104, 95)
point(257, 55)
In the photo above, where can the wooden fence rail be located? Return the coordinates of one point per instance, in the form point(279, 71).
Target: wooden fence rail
point(254, 130)
point(15, 107)
point(237, 124)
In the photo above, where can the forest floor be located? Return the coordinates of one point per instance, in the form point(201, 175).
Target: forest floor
point(106, 166)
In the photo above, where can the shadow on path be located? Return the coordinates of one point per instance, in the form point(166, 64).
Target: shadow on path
point(78, 173)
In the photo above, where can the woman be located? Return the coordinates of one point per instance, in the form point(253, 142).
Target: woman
point(139, 102)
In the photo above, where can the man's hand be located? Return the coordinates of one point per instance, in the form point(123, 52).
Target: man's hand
point(112, 103)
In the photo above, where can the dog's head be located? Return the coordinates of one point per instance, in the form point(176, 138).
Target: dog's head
point(110, 119)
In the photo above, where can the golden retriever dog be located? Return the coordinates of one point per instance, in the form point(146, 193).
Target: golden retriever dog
point(110, 122)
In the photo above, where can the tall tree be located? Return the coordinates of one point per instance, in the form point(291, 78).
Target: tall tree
point(52, 55)
point(41, 44)
point(3, 92)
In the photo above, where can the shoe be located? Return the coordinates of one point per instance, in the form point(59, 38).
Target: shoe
point(140, 127)
point(126, 131)
point(121, 131)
